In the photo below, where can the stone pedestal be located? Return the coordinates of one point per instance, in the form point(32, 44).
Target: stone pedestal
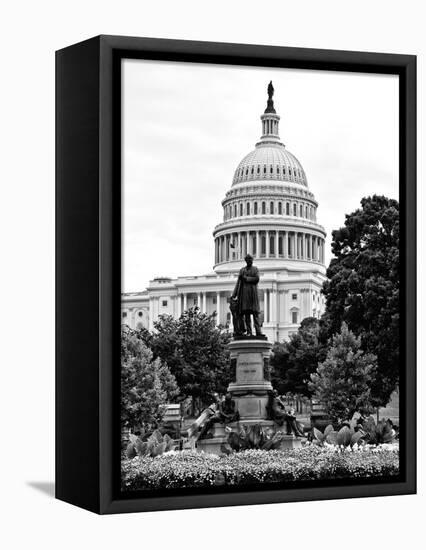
point(290, 442)
point(250, 359)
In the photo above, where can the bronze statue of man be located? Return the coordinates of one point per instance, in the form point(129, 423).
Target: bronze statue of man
point(246, 298)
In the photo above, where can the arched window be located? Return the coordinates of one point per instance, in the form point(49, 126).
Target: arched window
point(306, 211)
point(271, 170)
point(255, 208)
point(287, 208)
point(294, 209)
point(248, 209)
point(280, 208)
point(246, 171)
point(264, 169)
point(271, 207)
point(241, 209)
point(235, 210)
point(278, 169)
point(280, 245)
point(258, 169)
point(301, 211)
point(252, 169)
point(263, 207)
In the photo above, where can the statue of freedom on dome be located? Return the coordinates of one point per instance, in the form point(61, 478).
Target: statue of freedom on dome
point(245, 301)
point(270, 90)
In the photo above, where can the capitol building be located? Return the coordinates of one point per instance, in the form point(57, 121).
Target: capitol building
point(269, 212)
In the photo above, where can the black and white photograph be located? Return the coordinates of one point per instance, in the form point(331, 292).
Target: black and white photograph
point(260, 277)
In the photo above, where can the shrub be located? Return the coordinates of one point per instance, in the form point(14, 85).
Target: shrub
point(192, 469)
point(155, 445)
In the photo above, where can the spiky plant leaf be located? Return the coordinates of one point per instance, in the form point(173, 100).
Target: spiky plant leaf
point(344, 436)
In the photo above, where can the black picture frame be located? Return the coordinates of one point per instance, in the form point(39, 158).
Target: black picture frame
point(88, 267)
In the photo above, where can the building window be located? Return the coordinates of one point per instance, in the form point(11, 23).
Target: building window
point(263, 245)
point(235, 210)
point(241, 209)
point(263, 207)
point(306, 211)
point(195, 301)
point(294, 210)
point(271, 207)
point(280, 245)
point(124, 314)
point(280, 208)
point(287, 209)
point(214, 300)
point(301, 211)
point(140, 314)
point(258, 169)
point(163, 303)
point(272, 244)
point(248, 209)
point(294, 317)
point(294, 296)
point(264, 169)
point(255, 207)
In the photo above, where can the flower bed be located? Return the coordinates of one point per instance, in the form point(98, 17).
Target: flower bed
point(192, 469)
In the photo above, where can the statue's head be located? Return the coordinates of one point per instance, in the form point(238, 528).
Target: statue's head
point(249, 260)
point(228, 396)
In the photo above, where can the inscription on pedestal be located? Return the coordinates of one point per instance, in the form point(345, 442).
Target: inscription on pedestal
point(249, 367)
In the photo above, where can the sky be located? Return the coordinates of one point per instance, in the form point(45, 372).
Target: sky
point(186, 126)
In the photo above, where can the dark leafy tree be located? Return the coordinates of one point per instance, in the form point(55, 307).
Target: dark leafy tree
point(343, 381)
point(146, 383)
point(363, 286)
point(196, 352)
point(294, 361)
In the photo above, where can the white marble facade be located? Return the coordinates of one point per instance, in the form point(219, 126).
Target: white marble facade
point(270, 213)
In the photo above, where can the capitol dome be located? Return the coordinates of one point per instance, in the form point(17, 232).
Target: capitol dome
point(270, 161)
point(269, 211)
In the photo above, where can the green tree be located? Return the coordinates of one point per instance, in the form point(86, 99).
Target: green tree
point(343, 381)
point(363, 286)
point(196, 352)
point(146, 383)
point(295, 360)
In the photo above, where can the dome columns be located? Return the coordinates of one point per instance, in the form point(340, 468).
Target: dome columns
point(267, 244)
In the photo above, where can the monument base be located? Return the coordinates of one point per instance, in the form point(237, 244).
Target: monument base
point(211, 445)
point(290, 442)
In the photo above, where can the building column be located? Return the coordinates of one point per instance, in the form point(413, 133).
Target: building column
point(185, 301)
point(273, 306)
point(217, 308)
point(204, 302)
point(248, 245)
point(151, 313)
point(266, 305)
point(179, 304)
point(285, 307)
point(199, 300)
point(276, 244)
point(285, 244)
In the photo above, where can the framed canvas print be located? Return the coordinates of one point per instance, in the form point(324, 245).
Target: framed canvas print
point(235, 274)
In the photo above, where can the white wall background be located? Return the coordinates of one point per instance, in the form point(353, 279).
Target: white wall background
point(30, 32)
